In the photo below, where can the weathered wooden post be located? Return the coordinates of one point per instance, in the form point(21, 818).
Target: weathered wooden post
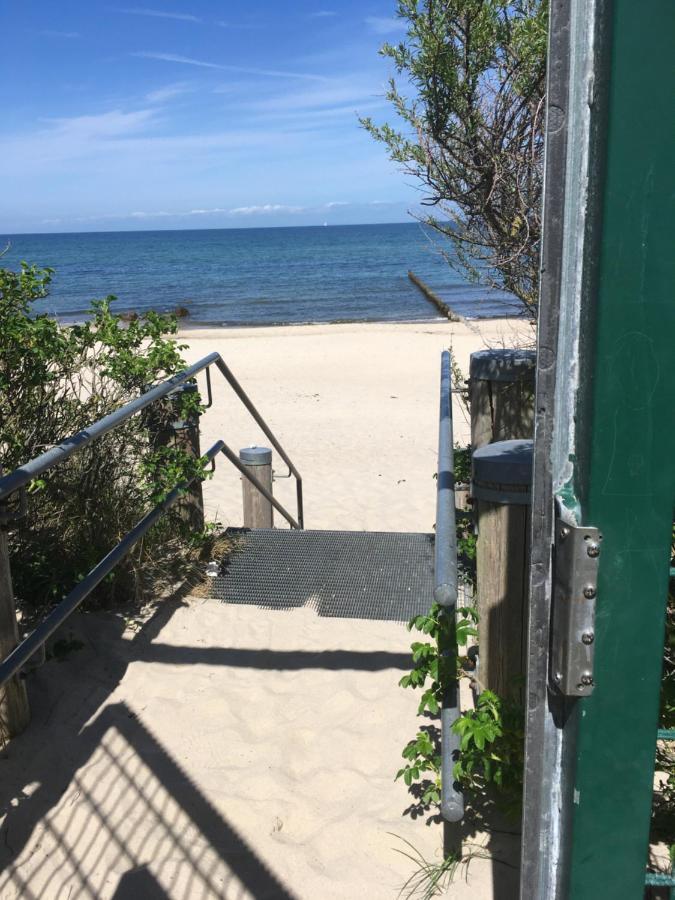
point(501, 395)
point(502, 474)
point(258, 511)
point(186, 438)
point(182, 433)
point(14, 708)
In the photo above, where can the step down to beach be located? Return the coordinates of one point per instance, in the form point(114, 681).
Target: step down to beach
point(348, 574)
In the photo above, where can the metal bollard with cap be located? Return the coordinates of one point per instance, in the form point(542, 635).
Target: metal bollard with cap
point(258, 511)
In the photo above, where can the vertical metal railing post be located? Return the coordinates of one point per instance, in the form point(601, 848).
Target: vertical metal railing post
point(445, 594)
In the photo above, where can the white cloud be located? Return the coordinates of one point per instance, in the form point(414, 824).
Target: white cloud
point(189, 61)
point(265, 208)
point(384, 25)
point(103, 125)
point(168, 92)
point(334, 203)
point(159, 14)
point(144, 215)
point(336, 93)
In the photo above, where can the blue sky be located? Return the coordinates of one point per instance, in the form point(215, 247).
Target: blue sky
point(195, 114)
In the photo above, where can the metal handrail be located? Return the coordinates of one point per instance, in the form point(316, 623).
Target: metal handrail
point(24, 474)
point(445, 594)
point(22, 653)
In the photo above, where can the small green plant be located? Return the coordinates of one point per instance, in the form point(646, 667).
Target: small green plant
point(428, 879)
point(422, 754)
point(491, 749)
point(462, 463)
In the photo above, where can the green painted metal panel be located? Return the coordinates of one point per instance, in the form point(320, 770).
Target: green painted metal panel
point(625, 477)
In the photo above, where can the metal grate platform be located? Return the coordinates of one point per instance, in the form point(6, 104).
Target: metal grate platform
point(349, 574)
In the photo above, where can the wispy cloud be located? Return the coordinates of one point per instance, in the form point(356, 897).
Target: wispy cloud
point(69, 35)
point(265, 209)
point(340, 92)
point(168, 92)
point(104, 125)
point(322, 14)
point(159, 14)
point(243, 70)
point(384, 25)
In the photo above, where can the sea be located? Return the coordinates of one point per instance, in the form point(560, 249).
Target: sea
point(256, 276)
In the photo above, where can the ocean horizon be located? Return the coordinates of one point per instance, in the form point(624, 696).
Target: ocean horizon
point(256, 276)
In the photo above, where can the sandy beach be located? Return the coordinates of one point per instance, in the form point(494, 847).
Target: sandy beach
point(356, 408)
point(206, 750)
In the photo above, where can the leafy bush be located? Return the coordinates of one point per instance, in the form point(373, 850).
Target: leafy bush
point(56, 380)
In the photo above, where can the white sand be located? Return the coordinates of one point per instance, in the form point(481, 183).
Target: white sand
point(218, 751)
point(355, 407)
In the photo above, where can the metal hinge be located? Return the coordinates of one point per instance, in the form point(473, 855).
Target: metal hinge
point(577, 552)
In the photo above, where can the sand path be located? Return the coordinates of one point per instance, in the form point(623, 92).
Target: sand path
point(215, 751)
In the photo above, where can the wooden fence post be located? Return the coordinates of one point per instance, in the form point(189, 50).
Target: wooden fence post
point(14, 708)
point(258, 511)
point(501, 395)
point(184, 435)
point(502, 473)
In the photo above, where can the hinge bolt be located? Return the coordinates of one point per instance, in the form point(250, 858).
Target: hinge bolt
point(564, 531)
point(587, 638)
point(557, 677)
point(593, 549)
point(586, 679)
point(589, 592)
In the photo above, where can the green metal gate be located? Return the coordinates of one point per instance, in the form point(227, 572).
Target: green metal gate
point(604, 446)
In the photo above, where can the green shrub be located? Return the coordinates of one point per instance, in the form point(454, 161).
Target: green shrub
point(54, 381)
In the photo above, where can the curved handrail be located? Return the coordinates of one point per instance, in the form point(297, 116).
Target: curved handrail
point(445, 594)
point(31, 644)
point(24, 474)
point(22, 653)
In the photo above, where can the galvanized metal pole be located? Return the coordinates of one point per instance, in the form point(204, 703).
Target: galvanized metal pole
point(567, 122)
point(445, 594)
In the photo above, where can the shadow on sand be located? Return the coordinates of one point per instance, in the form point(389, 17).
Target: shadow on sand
point(189, 849)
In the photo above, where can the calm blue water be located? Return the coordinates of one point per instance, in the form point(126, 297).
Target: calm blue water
point(254, 275)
